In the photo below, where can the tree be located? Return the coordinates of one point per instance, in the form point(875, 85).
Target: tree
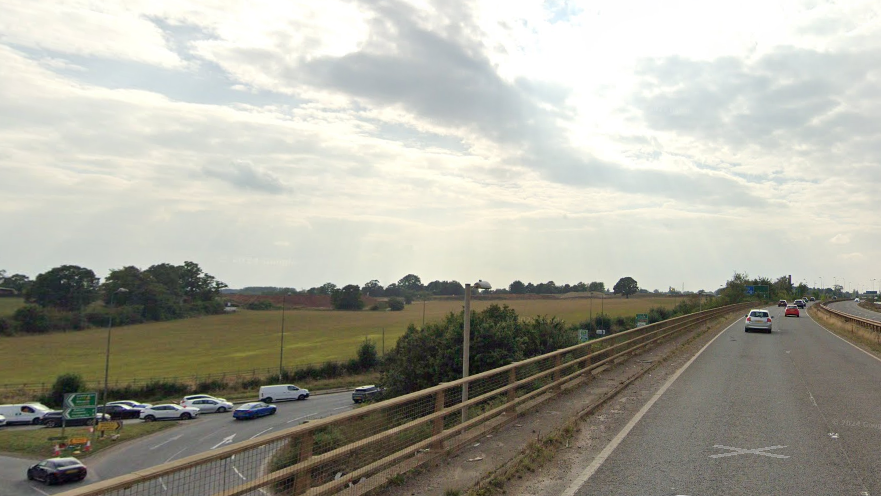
point(19, 282)
point(595, 286)
point(68, 287)
point(64, 384)
point(517, 287)
point(393, 290)
point(347, 298)
point(367, 356)
point(372, 288)
point(626, 286)
point(395, 304)
point(168, 276)
point(31, 319)
point(198, 285)
point(410, 282)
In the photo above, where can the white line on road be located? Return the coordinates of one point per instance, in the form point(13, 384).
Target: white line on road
point(607, 451)
point(299, 418)
point(234, 469)
point(226, 440)
point(841, 338)
point(261, 432)
point(757, 451)
point(40, 491)
point(174, 455)
point(341, 407)
point(163, 443)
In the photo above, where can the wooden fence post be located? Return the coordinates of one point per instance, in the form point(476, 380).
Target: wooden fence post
point(512, 393)
point(438, 427)
point(304, 479)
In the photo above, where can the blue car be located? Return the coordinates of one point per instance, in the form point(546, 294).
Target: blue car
point(253, 410)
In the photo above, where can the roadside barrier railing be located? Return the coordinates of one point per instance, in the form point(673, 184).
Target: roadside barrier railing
point(853, 320)
point(368, 447)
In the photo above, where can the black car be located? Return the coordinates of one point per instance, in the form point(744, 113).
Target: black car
point(121, 412)
point(800, 303)
point(366, 393)
point(58, 470)
point(53, 419)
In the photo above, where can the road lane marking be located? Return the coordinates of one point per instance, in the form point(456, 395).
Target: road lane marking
point(757, 451)
point(261, 432)
point(607, 451)
point(174, 455)
point(40, 491)
point(163, 443)
point(234, 469)
point(340, 408)
point(299, 418)
point(226, 440)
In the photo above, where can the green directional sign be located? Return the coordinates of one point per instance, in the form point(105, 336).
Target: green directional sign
point(642, 319)
point(80, 405)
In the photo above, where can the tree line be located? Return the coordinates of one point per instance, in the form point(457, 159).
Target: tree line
point(64, 297)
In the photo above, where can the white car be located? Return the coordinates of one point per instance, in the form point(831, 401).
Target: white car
point(168, 411)
point(857, 300)
point(218, 405)
point(2, 420)
point(757, 319)
point(200, 397)
point(132, 404)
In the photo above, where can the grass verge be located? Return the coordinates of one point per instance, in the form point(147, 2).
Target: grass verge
point(864, 338)
point(35, 442)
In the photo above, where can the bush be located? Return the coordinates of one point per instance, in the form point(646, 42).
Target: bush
point(64, 384)
point(31, 319)
point(395, 304)
point(5, 327)
point(367, 356)
point(379, 306)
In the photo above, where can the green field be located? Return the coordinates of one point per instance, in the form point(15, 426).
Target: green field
point(8, 306)
point(250, 339)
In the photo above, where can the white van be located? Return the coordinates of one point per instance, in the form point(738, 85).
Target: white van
point(281, 392)
point(24, 413)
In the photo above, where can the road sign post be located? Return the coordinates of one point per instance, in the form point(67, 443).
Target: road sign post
point(583, 335)
point(642, 319)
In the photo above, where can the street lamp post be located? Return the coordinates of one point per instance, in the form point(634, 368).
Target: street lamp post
point(107, 352)
point(466, 340)
point(281, 347)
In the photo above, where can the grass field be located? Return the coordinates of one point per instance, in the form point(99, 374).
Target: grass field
point(8, 306)
point(250, 339)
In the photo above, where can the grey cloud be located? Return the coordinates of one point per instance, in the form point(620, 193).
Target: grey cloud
point(247, 176)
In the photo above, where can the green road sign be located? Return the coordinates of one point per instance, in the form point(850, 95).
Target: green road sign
point(80, 405)
point(74, 400)
point(583, 335)
point(80, 413)
point(642, 319)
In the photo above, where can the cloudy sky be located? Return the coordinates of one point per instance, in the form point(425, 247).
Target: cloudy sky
point(299, 142)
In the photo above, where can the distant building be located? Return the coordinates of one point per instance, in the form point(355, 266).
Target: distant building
point(8, 292)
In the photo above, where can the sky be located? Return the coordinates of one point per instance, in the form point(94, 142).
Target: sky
point(293, 143)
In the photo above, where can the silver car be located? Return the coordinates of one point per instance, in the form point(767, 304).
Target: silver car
point(759, 320)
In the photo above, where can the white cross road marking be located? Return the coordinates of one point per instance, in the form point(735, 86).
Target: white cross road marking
point(757, 451)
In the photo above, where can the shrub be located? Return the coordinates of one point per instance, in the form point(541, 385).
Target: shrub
point(395, 304)
point(259, 305)
point(367, 356)
point(64, 383)
point(5, 327)
point(31, 319)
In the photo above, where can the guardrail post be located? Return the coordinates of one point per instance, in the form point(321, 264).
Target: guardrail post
point(512, 393)
point(304, 479)
point(438, 427)
point(585, 365)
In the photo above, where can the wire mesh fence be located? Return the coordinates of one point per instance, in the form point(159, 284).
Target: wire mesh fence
point(360, 450)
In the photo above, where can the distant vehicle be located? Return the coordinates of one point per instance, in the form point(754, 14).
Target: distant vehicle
point(54, 419)
point(120, 412)
point(24, 413)
point(757, 320)
point(133, 404)
point(366, 393)
point(857, 300)
point(193, 397)
point(58, 470)
point(800, 303)
point(168, 411)
point(2, 420)
point(813, 299)
point(791, 310)
point(253, 410)
point(281, 392)
point(781, 303)
point(205, 405)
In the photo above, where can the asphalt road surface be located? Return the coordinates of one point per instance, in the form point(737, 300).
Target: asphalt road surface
point(793, 412)
point(853, 308)
point(209, 431)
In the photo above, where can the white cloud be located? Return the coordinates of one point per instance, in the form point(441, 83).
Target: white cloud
point(305, 142)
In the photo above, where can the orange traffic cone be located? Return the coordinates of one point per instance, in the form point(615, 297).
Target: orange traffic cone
point(56, 451)
point(88, 446)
